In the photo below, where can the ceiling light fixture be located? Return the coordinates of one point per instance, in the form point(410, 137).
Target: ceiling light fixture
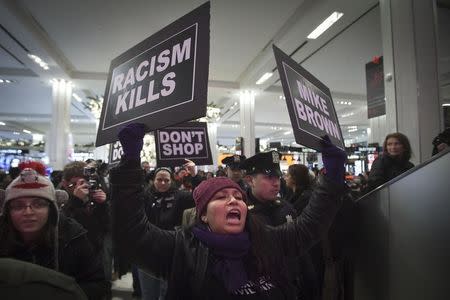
point(26, 131)
point(325, 25)
point(288, 132)
point(78, 98)
point(2, 124)
point(39, 61)
point(264, 78)
point(446, 104)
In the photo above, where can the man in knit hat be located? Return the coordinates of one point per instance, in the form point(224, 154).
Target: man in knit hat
point(32, 230)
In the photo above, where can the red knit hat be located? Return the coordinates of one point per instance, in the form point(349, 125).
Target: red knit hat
point(204, 192)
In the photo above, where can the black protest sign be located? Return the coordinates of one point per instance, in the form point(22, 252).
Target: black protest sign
point(309, 103)
point(115, 154)
point(183, 141)
point(376, 103)
point(161, 81)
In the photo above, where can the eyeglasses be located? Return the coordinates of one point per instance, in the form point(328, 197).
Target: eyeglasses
point(36, 205)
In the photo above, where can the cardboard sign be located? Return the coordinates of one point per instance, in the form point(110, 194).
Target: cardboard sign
point(309, 103)
point(376, 105)
point(161, 81)
point(187, 140)
point(115, 153)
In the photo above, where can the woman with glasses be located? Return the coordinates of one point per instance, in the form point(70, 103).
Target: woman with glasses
point(32, 230)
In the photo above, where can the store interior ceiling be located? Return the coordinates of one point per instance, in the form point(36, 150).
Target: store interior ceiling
point(78, 40)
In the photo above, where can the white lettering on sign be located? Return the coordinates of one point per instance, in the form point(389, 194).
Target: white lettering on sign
point(117, 151)
point(179, 143)
point(316, 119)
point(130, 84)
point(166, 58)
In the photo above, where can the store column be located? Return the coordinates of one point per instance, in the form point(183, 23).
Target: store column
point(59, 140)
point(247, 114)
point(212, 134)
point(411, 75)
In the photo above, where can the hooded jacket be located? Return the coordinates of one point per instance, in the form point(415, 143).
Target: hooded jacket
point(180, 257)
point(68, 251)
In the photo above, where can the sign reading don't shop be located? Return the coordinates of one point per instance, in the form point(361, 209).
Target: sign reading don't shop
point(309, 103)
point(115, 154)
point(161, 81)
point(184, 141)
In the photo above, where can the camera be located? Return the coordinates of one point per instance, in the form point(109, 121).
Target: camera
point(91, 176)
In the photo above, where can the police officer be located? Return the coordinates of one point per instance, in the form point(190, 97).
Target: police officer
point(263, 196)
point(265, 204)
point(234, 169)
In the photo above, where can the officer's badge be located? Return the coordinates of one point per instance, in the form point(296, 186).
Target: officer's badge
point(275, 158)
point(289, 219)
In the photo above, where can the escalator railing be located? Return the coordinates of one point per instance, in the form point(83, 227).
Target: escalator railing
point(403, 248)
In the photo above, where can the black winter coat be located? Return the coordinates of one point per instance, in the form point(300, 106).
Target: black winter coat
point(165, 210)
point(94, 217)
point(179, 256)
point(271, 213)
point(385, 168)
point(76, 258)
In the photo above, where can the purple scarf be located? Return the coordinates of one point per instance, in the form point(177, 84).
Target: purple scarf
point(229, 250)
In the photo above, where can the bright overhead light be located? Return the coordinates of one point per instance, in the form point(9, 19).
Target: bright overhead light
point(77, 97)
point(288, 132)
point(446, 104)
point(38, 61)
point(325, 25)
point(26, 131)
point(2, 124)
point(264, 77)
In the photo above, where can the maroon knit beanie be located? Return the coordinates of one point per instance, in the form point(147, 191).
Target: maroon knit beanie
point(207, 188)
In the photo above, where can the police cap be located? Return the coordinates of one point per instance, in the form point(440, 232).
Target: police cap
point(234, 162)
point(267, 163)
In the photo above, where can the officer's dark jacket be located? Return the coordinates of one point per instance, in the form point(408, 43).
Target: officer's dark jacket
point(182, 259)
point(385, 168)
point(165, 210)
point(272, 213)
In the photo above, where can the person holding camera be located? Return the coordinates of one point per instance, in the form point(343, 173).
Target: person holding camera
point(87, 203)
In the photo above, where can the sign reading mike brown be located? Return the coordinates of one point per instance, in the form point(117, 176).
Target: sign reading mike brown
point(161, 81)
point(309, 103)
point(183, 141)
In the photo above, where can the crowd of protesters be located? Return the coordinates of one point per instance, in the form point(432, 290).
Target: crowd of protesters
point(246, 231)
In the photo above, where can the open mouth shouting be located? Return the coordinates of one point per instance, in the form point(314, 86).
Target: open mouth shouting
point(234, 216)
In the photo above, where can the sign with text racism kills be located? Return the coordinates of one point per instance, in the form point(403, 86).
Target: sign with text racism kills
point(187, 140)
point(376, 105)
point(161, 81)
point(115, 153)
point(309, 103)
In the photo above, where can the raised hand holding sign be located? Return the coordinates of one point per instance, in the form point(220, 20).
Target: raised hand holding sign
point(132, 139)
point(333, 159)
